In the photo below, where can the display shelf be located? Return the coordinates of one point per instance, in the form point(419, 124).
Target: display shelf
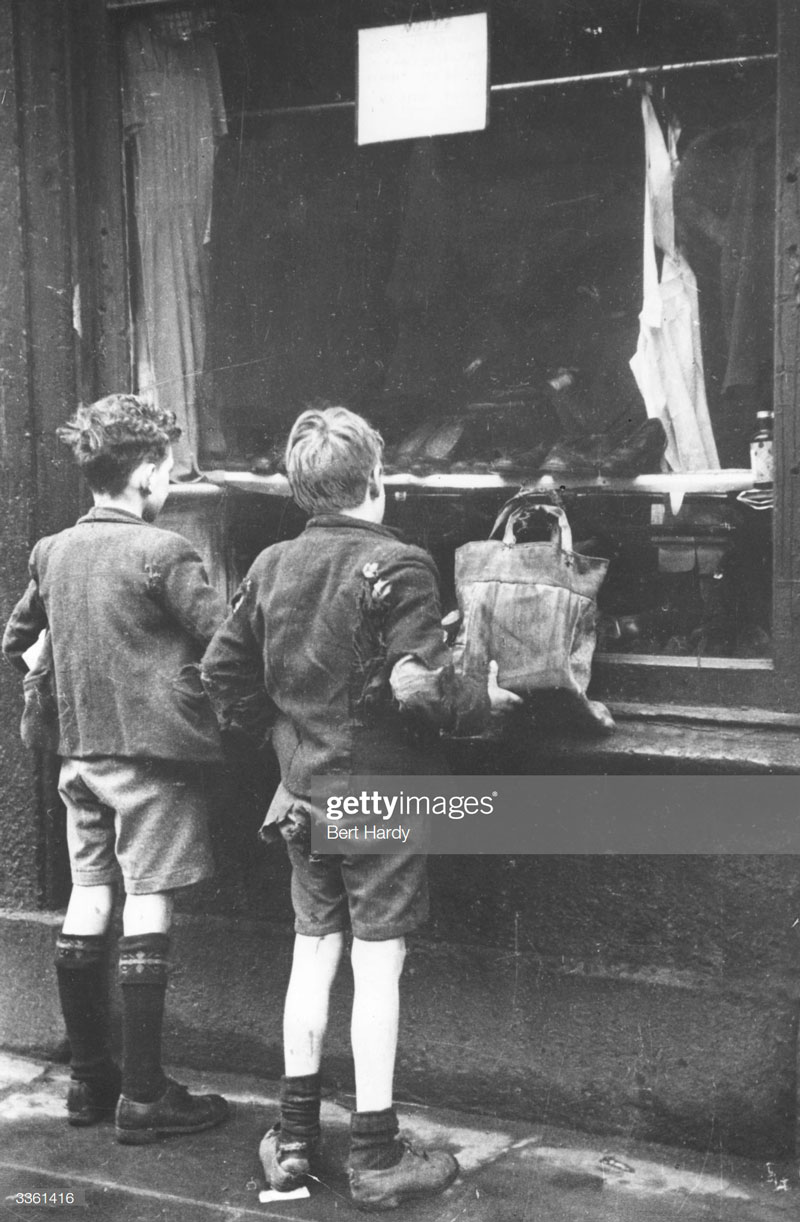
point(669, 484)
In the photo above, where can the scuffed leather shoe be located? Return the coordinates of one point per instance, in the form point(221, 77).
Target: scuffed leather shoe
point(91, 1100)
point(639, 454)
point(285, 1164)
point(139, 1124)
point(420, 1173)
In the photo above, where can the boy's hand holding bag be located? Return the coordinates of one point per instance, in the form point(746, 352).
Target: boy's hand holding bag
point(533, 608)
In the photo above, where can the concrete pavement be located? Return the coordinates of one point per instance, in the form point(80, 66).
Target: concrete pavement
point(511, 1172)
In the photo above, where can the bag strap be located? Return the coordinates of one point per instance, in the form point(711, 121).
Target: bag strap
point(510, 515)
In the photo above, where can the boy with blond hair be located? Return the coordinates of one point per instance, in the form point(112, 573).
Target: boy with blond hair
point(335, 642)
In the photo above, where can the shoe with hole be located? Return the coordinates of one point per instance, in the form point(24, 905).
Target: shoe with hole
point(420, 1173)
point(286, 1164)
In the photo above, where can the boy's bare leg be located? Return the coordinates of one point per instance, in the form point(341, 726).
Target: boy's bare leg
point(88, 911)
point(287, 1149)
point(145, 914)
point(305, 1014)
point(377, 967)
point(376, 1012)
point(383, 1170)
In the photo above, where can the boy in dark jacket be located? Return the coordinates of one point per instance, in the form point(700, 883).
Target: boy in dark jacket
point(129, 611)
point(335, 639)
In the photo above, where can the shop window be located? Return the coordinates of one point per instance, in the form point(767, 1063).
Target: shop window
point(482, 297)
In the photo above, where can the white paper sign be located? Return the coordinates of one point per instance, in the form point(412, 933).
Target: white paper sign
point(429, 78)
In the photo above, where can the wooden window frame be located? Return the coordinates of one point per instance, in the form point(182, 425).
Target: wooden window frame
point(754, 689)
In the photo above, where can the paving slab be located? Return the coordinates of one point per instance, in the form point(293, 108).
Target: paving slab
point(510, 1171)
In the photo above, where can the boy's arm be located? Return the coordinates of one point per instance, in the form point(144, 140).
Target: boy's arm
point(23, 628)
point(422, 675)
point(232, 671)
point(441, 693)
point(179, 582)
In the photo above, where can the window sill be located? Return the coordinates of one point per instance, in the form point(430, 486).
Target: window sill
point(693, 662)
point(669, 742)
point(673, 485)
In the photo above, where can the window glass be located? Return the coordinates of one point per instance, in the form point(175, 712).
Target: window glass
point(579, 298)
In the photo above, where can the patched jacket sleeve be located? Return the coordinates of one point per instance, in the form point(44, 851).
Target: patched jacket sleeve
point(27, 620)
point(232, 672)
point(179, 581)
point(422, 676)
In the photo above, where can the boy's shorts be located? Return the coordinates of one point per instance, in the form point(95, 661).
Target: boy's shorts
point(148, 818)
point(378, 896)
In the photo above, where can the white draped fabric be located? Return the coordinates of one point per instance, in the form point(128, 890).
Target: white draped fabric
point(668, 363)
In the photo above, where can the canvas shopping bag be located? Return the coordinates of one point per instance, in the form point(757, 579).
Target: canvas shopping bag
point(532, 607)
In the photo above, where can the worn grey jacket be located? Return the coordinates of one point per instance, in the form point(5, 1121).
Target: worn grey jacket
point(130, 612)
point(306, 655)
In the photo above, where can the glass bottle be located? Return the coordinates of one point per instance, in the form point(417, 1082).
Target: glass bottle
point(762, 460)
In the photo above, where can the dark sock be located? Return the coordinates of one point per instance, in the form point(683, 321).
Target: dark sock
point(143, 971)
point(373, 1140)
point(81, 967)
point(300, 1100)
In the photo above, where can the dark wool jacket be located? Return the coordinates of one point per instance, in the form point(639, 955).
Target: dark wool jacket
point(317, 627)
point(130, 612)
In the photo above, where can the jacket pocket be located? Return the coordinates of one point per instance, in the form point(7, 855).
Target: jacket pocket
point(38, 727)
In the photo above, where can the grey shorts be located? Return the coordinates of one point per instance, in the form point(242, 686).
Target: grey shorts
point(147, 818)
point(379, 896)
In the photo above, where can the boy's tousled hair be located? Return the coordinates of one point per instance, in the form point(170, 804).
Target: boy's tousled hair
point(330, 457)
point(111, 437)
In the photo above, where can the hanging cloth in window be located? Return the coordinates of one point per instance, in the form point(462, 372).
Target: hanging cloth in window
point(174, 113)
point(668, 363)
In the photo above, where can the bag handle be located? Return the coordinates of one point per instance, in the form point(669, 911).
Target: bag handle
point(562, 534)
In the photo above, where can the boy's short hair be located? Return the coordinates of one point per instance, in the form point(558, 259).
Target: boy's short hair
point(330, 456)
point(111, 437)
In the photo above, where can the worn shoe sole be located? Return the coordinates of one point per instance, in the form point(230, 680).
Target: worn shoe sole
point(400, 1198)
point(175, 1113)
point(83, 1120)
point(146, 1137)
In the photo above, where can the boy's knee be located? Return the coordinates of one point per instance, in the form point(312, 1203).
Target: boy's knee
point(89, 910)
point(310, 946)
point(151, 913)
point(384, 958)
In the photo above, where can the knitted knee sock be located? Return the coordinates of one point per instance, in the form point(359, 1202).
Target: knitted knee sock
point(300, 1101)
point(143, 971)
point(81, 964)
point(373, 1140)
